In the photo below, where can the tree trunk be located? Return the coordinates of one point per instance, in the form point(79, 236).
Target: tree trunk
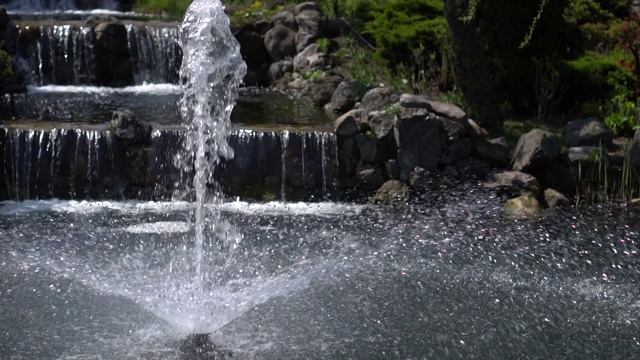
point(472, 75)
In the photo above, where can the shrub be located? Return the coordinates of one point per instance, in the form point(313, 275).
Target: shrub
point(5, 68)
point(175, 8)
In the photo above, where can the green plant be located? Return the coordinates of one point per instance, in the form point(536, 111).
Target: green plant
point(5, 68)
point(323, 44)
point(624, 115)
point(314, 75)
point(174, 8)
point(258, 10)
point(392, 109)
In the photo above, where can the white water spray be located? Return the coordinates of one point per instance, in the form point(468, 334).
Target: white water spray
point(212, 70)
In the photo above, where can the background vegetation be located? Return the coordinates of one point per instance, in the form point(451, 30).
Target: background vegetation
point(581, 59)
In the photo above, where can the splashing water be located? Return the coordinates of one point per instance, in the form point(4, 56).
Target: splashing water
point(212, 69)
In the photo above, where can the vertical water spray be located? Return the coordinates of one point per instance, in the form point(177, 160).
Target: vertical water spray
point(211, 72)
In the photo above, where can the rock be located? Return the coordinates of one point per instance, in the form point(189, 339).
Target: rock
point(381, 124)
point(512, 181)
point(279, 68)
point(285, 18)
point(453, 130)
point(420, 141)
point(113, 62)
point(524, 206)
point(252, 46)
point(419, 177)
point(378, 99)
point(95, 20)
point(555, 199)
point(308, 16)
point(346, 95)
point(320, 90)
point(4, 17)
point(280, 42)
point(456, 151)
point(392, 191)
point(587, 132)
point(347, 124)
point(586, 155)
point(536, 149)
point(449, 111)
point(495, 151)
point(367, 147)
point(392, 168)
point(370, 176)
point(475, 131)
point(124, 126)
point(309, 59)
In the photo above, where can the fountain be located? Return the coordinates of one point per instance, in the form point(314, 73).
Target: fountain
point(113, 276)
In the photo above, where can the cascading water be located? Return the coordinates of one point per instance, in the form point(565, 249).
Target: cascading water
point(212, 70)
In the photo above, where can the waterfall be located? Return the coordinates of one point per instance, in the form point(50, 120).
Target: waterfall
point(155, 53)
point(58, 54)
point(55, 5)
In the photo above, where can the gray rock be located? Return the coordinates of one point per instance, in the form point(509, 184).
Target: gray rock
point(419, 177)
point(555, 199)
point(587, 132)
point(125, 126)
point(320, 90)
point(495, 151)
point(536, 149)
point(475, 131)
point(347, 124)
point(392, 168)
point(367, 147)
point(301, 61)
point(420, 136)
point(285, 18)
point(378, 99)
point(453, 130)
point(525, 206)
point(456, 151)
point(279, 68)
point(513, 181)
point(449, 111)
point(280, 42)
point(346, 96)
point(586, 155)
point(113, 62)
point(308, 16)
point(370, 177)
point(381, 124)
point(392, 191)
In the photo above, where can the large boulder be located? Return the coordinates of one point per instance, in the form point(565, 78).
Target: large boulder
point(586, 155)
point(456, 151)
point(513, 182)
point(392, 191)
point(378, 99)
point(381, 124)
point(308, 16)
point(279, 69)
point(285, 18)
point(635, 154)
point(535, 150)
point(346, 95)
point(113, 61)
point(420, 139)
point(370, 176)
point(587, 132)
point(308, 59)
point(494, 151)
point(525, 206)
point(252, 48)
point(125, 126)
point(347, 124)
point(449, 111)
point(280, 42)
point(320, 90)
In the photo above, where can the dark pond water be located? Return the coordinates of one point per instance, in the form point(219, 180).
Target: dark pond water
point(454, 280)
